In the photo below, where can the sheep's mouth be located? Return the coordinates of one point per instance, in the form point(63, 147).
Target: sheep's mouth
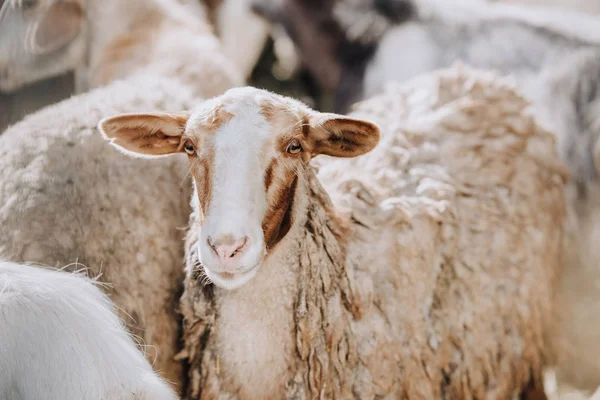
point(229, 280)
point(226, 275)
point(234, 275)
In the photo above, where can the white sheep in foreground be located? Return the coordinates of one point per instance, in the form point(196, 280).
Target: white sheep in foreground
point(66, 197)
point(430, 276)
point(61, 340)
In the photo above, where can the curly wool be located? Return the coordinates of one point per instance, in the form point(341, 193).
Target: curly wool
point(430, 273)
point(67, 197)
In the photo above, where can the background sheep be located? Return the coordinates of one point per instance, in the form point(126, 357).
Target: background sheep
point(560, 72)
point(61, 340)
point(67, 198)
point(45, 38)
point(431, 275)
point(34, 75)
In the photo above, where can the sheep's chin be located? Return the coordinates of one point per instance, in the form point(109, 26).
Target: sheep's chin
point(230, 281)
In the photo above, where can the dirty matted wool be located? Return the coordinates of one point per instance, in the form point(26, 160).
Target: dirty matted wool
point(424, 269)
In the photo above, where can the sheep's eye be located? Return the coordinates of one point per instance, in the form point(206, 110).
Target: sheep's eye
point(294, 147)
point(189, 148)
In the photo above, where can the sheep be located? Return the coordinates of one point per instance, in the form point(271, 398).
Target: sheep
point(30, 48)
point(423, 269)
point(554, 55)
point(62, 340)
point(40, 39)
point(557, 63)
point(65, 197)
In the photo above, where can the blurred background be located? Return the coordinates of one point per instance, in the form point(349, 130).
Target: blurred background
point(297, 48)
point(330, 54)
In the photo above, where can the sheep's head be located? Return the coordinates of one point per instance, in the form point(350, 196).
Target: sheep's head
point(39, 39)
point(247, 151)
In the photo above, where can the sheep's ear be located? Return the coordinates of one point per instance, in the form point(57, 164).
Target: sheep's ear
point(59, 25)
point(155, 134)
point(341, 136)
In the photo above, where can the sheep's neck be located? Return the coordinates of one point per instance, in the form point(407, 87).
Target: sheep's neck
point(278, 314)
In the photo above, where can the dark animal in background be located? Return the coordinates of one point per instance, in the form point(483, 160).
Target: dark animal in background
point(335, 55)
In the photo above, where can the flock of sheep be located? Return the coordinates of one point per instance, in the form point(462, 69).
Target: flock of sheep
point(442, 245)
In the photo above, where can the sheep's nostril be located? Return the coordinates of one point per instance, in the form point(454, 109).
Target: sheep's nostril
point(236, 251)
point(211, 245)
point(227, 247)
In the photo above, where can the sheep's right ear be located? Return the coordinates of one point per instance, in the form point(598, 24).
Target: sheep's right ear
point(140, 135)
point(341, 136)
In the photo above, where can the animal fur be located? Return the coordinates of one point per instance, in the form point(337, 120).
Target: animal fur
point(553, 55)
point(61, 339)
point(430, 273)
point(558, 69)
point(66, 197)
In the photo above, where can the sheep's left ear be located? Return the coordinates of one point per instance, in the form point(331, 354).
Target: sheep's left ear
point(340, 136)
point(152, 134)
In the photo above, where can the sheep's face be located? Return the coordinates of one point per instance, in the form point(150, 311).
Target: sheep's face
point(247, 151)
point(39, 39)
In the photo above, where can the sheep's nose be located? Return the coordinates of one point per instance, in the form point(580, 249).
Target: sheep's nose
point(227, 247)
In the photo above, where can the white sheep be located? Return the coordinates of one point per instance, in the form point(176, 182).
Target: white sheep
point(429, 274)
point(61, 340)
point(66, 197)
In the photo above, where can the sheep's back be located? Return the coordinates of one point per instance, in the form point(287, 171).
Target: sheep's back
point(67, 196)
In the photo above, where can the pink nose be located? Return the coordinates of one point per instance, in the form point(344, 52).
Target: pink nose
point(227, 247)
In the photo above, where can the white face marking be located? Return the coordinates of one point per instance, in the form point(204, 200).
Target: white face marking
point(231, 246)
